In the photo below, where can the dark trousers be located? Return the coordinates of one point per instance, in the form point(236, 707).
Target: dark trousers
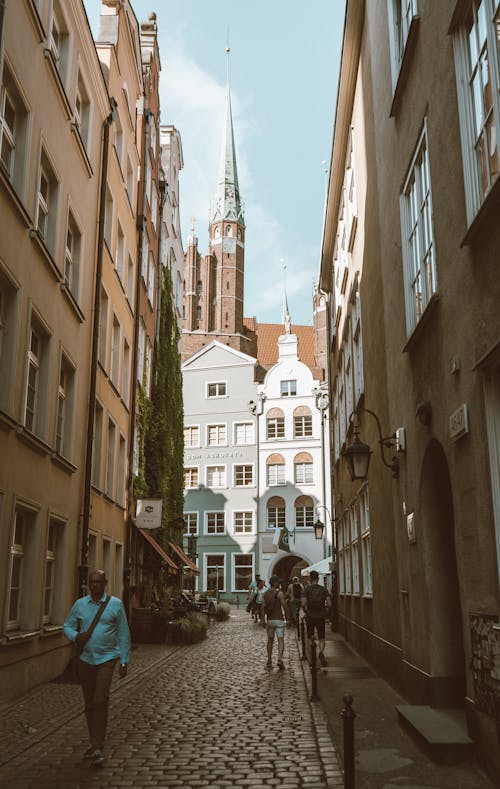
point(96, 683)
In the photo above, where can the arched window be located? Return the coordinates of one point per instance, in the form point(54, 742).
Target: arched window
point(302, 422)
point(217, 231)
point(303, 469)
point(276, 512)
point(304, 512)
point(275, 465)
point(275, 423)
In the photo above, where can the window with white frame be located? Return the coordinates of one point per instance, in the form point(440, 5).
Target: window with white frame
point(216, 476)
point(151, 278)
point(303, 473)
point(118, 138)
point(154, 207)
point(304, 512)
point(53, 562)
point(275, 426)
point(65, 400)
point(366, 551)
point(13, 129)
point(103, 329)
point(215, 523)
point(108, 218)
point(476, 43)
point(217, 389)
point(97, 445)
point(82, 111)
point(110, 459)
point(192, 436)
point(130, 182)
point(131, 282)
point(121, 471)
point(149, 366)
point(419, 265)
point(242, 571)
point(116, 335)
point(275, 470)
point(215, 571)
point(72, 253)
point(8, 297)
point(243, 475)
point(145, 257)
point(353, 523)
point(126, 366)
point(243, 523)
point(20, 609)
point(216, 435)
point(276, 512)
point(141, 352)
point(120, 253)
point(357, 349)
point(59, 41)
point(402, 15)
point(35, 403)
point(288, 388)
point(191, 521)
point(191, 477)
point(244, 433)
point(302, 422)
point(148, 177)
point(46, 207)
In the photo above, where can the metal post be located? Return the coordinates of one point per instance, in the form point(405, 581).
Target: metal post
point(303, 638)
point(314, 671)
point(348, 715)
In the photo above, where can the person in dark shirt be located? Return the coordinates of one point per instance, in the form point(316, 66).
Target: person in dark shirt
point(276, 609)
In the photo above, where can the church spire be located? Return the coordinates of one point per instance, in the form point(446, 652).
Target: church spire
point(227, 204)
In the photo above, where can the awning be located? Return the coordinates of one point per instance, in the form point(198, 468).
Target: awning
point(159, 550)
point(185, 558)
point(323, 567)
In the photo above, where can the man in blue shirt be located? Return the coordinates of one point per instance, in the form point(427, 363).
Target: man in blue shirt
point(108, 643)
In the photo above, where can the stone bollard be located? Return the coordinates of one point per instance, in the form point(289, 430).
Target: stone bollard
point(314, 671)
point(348, 715)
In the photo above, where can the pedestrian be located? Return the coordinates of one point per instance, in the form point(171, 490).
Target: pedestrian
point(252, 589)
point(259, 601)
point(294, 596)
point(275, 608)
point(98, 625)
point(314, 601)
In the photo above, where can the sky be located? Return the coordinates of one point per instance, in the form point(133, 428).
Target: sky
point(283, 74)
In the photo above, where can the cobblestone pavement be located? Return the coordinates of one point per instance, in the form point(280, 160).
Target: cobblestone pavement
point(207, 715)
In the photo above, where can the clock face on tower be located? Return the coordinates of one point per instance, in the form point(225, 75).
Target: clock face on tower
point(229, 245)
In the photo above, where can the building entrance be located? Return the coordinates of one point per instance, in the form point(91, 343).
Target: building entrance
point(287, 567)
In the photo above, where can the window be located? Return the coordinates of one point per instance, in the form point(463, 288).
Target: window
point(52, 568)
point(115, 352)
point(304, 512)
point(141, 352)
point(288, 388)
point(275, 423)
point(217, 389)
point(303, 468)
point(65, 399)
point(154, 207)
point(216, 523)
point(302, 422)
point(148, 366)
point(103, 328)
point(13, 128)
point(191, 477)
point(122, 471)
point(242, 571)
point(118, 138)
point(8, 295)
point(145, 257)
point(72, 257)
point(107, 557)
point(130, 182)
point(36, 378)
point(244, 433)
point(477, 54)
point(216, 435)
point(108, 218)
point(418, 236)
point(151, 278)
point(215, 572)
point(243, 524)
point(191, 521)
point(46, 208)
point(192, 436)
point(243, 476)
point(111, 460)
point(276, 513)
point(120, 253)
point(198, 314)
point(275, 465)
point(59, 41)
point(82, 111)
point(19, 609)
point(366, 551)
point(131, 282)
point(97, 446)
point(125, 383)
point(401, 15)
point(118, 575)
point(216, 476)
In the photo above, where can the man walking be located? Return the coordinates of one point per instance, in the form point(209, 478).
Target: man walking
point(294, 595)
point(313, 603)
point(275, 606)
point(98, 625)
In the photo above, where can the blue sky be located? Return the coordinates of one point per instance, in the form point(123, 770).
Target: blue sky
point(284, 64)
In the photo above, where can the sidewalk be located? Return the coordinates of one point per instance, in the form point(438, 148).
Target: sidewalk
point(386, 756)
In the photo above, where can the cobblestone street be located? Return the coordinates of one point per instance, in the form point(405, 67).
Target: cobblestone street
point(206, 715)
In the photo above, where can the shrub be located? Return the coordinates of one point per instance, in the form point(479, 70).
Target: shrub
point(190, 629)
point(222, 612)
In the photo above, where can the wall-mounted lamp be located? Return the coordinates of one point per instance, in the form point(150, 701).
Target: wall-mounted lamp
point(319, 528)
point(357, 455)
point(257, 408)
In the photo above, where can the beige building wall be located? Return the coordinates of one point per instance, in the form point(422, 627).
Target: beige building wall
point(53, 105)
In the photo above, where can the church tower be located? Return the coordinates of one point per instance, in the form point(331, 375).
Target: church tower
point(214, 284)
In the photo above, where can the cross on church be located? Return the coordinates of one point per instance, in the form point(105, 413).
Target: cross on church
point(193, 224)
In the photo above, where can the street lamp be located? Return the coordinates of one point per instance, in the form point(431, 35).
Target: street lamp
point(322, 402)
point(319, 528)
point(357, 455)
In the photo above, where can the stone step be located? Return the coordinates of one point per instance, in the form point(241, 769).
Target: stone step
point(441, 733)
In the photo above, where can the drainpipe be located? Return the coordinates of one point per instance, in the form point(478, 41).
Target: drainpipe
point(141, 202)
point(83, 568)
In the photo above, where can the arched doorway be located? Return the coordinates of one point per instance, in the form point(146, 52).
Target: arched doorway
point(287, 567)
point(444, 616)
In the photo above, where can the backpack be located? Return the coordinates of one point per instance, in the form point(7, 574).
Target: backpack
point(316, 596)
point(297, 591)
point(270, 601)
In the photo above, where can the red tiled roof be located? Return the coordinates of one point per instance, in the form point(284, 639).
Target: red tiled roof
point(267, 343)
